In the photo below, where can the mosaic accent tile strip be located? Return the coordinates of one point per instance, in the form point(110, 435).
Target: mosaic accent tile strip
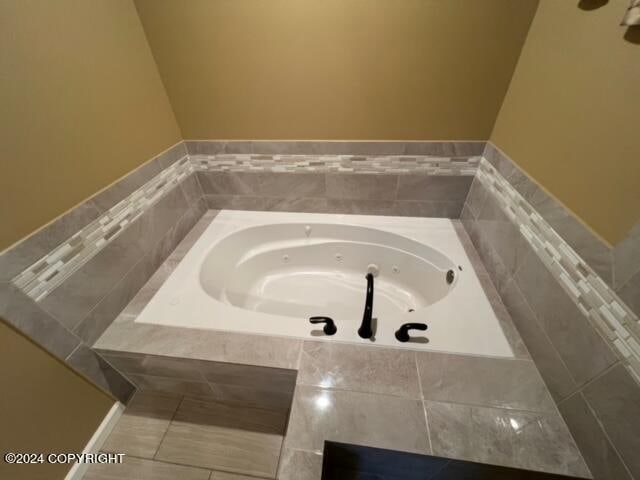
point(46, 274)
point(382, 164)
point(599, 303)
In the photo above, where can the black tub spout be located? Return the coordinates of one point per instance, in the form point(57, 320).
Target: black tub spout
point(365, 330)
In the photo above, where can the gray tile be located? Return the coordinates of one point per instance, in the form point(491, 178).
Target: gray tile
point(476, 197)
point(156, 365)
point(491, 262)
point(250, 202)
point(191, 189)
point(72, 301)
point(439, 149)
point(224, 437)
point(148, 290)
point(510, 171)
point(263, 184)
point(615, 399)
point(172, 155)
point(321, 205)
point(159, 252)
point(626, 257)
point(594, 251)
point(267, 351)
point(261, 378)
point(630, 293)
point(502, 314)
point(299, 465)
point(17, 258)
point(467, 243)
point(122, 188)
point(291, 185)
point(286, 147)
point(504, 437)
point(106, 311)
point(471, 149)
point(25, 315)
point(551, 367)
point(359, 368)
point(354, 417)
point(580, 346)
point(160, 219)
point(452, 188)
point(193, 235)
point(498, 234)
point(92, 366)
point(141, 428)
point(427, 209)
point(170, 385)
point(139, 469)
point(356, 186)
point(601, 457)
point(141, 281)
point(238, 146)
point(361, 207)
point(483, 381)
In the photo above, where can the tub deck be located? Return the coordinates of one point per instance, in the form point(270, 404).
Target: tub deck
point(480, 408)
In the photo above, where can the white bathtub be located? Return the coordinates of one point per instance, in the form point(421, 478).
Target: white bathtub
point(268, 272)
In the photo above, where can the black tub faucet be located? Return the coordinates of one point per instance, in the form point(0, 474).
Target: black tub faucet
point(365, 330)
point(329, 325)
point(402, 334)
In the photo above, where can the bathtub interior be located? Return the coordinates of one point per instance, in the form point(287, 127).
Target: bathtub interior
point(266, 273)
point(300, 271)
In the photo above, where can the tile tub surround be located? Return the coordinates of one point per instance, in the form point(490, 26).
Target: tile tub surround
point(243, 384)
point(566, 300)
point(72, 316)
point(355, 393)
point(410, 185)
point(382, 185)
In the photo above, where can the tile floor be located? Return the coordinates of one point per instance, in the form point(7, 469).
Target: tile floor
point(167, 436)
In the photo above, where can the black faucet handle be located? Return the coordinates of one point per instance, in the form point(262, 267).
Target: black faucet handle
point(329, 324)
point(402, 334)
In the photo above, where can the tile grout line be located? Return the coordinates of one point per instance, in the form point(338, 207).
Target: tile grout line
point(164, 435)
point(605, 433)
point(424, 406)
point(545, 334)
point(165, 462)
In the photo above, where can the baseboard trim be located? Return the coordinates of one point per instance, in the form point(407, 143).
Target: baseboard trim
point(97, 440)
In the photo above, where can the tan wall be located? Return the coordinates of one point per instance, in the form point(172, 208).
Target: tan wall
point(81, 105)
point(570, 117)
point(44, 407)
point(336, 69)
